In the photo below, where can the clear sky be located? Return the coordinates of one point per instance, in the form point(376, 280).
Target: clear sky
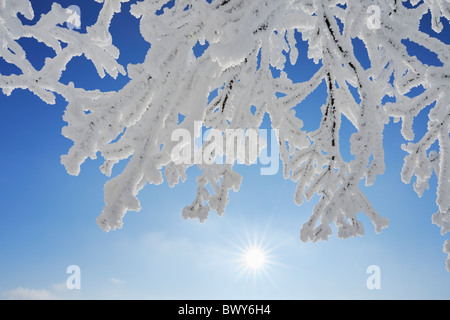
point(48, 218)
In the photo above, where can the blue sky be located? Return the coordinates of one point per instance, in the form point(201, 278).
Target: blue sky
point(48, 217)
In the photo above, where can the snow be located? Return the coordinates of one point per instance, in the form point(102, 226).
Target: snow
point(136, 122)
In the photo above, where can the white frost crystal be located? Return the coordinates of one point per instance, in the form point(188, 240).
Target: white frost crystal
point(245, 38)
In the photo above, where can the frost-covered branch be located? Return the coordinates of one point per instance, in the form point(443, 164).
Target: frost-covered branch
point(246, 41)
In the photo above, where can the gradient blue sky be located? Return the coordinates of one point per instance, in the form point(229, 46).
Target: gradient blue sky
point(48, 217)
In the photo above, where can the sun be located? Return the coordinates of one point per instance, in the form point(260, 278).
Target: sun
point(255, 258)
